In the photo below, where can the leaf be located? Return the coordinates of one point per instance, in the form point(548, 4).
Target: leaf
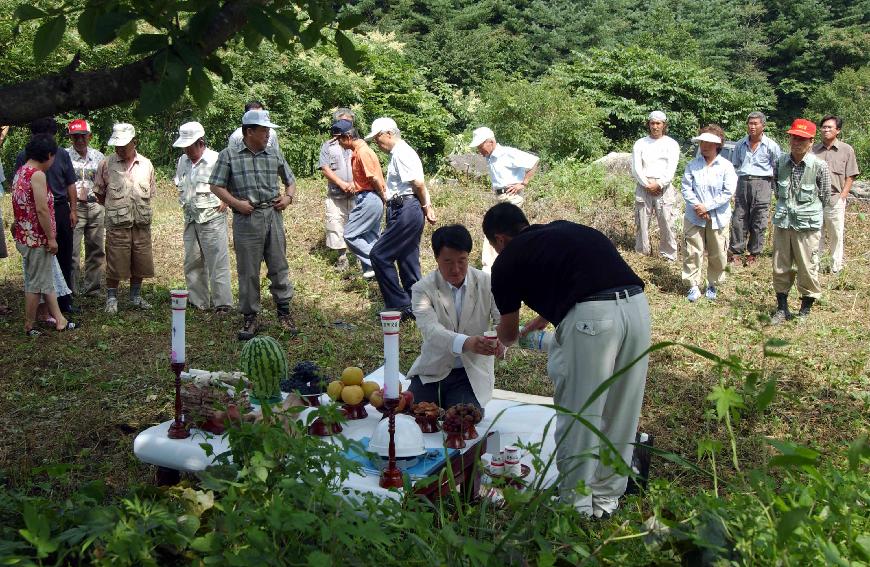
point(858, 449)
point(200, 87)
point(319, 559)
point(766, 396)
point(260, 22)
point(790, 521)
point(26, 12)
point(48, 37)
point(159, 95)
point(98, 28)
point(351, 21)
point(252, 37)
point(310, 36)
point(146, 43)
point(346, 50)
point(725, 399)
point(38, 532)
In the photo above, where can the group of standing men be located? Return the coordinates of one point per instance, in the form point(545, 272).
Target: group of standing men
point(808, 186)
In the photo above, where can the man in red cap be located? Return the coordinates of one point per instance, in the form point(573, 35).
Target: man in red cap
point(803, 187)
point(90, 224)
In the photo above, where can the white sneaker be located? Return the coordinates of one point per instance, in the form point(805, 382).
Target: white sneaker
point(369, 274)
point(111, 305)
point(139, 302)
point(694, 294)
point(710, 293)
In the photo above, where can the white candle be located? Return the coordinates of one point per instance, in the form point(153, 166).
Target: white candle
point(179, 306)
point(390, 325)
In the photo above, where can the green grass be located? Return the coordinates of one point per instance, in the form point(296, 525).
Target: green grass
point(80, 398)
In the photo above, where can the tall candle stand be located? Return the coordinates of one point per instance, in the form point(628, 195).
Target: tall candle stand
point(177, 429)
point(391, 476)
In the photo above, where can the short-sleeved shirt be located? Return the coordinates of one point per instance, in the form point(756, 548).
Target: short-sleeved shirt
point(59, 176)
point(508, 166)
point(761, 162)
point(365, 164)
point(251, 176)
point(404, 167)
point(86, 170)
point(194, 192)
point(841, 161)
point(553, 266)
point(336, 158)
point(237, 140)
point(27, 229)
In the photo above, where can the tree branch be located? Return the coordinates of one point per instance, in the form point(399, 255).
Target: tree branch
point(70, 90)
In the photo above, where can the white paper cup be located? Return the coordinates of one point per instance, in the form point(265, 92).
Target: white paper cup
point(179, 299)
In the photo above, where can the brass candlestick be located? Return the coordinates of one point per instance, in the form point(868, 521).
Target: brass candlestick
point(391, 476)
point(177, 430)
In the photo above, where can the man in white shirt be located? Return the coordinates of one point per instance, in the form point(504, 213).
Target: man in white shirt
point(408, 207)
point(206, 248)
point(454, 306)
point(510, 171)
point(90, 221)
point(654, 160)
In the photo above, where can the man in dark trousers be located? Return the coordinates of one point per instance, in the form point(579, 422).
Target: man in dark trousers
point(61, 177)
point(574, 278)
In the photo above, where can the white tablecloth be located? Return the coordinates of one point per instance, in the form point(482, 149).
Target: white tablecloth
point(512, 421)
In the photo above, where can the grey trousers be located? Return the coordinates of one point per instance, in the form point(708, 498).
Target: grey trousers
point(592, 342)
point(207, 263)
point(90, 227)
point(751, 205)
point(257, 237)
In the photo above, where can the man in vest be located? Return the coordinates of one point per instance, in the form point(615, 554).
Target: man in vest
point(803, 188)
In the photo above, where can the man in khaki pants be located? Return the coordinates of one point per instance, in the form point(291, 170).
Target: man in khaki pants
point(803, 188)
point(573, 276)
point(510, 171)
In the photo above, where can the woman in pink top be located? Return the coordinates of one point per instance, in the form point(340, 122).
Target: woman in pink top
point(34, 231)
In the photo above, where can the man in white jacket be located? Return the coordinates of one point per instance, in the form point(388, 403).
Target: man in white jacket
point(654, 162)
point(454, 306)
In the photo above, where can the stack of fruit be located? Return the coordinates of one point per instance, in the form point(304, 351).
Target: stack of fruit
point(351, 390)
point(406, 400)
point(462, 418)
point(305, 379)
point(426, 415)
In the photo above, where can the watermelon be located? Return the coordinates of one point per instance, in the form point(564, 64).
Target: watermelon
point(264, 362)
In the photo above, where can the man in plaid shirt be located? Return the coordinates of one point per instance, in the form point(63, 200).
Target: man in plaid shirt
point(245, 178)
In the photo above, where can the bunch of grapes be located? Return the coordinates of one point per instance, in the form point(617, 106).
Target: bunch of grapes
point(306, 379)
point(460, 416)
point(427, 409)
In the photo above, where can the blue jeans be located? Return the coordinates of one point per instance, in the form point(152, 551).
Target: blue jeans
point(363, 227)
point(399, 245)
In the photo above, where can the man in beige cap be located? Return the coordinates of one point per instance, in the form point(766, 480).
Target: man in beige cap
point(510, 171)
point(654, 160)
point(206, 249)
point(125, 184)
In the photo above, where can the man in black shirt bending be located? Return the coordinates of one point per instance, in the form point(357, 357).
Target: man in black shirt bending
point(574, 278)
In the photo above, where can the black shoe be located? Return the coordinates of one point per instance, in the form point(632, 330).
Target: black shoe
point(407, 313)
point(806, 305)
point(780, 317)
point(287, 323)
point(249, 328)
point(72, 310)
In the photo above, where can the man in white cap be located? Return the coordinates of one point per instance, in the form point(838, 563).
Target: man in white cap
point(654, 160)
point(510, 171)
point(91, 216)
point(206, 249)
point(335, 165)
point(125, 184)
point(244, 178)
point(408, 205)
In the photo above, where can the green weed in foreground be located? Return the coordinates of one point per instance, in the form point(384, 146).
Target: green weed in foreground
point(278, 501)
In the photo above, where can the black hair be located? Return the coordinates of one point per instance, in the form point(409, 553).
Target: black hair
point(833, 117)
point(504, 218)
point(353, 133)
point(40, 147)
point(254, 105)
point(246, 127)
point(47, 125)
point(453, 236)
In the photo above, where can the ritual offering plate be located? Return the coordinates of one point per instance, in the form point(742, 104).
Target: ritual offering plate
point(355, 411)
point(516, 481)
point(209, 398)
point(461, 419)
point(427, 415)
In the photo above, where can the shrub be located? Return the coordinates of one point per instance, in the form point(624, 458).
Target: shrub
point(847, 95)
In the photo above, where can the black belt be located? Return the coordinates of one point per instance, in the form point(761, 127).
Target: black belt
point(758, 177)
point(90, 199)
point(398, 201)
point(500, 190)
point(613, 294)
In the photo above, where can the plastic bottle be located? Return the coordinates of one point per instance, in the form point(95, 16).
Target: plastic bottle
point(536, 340)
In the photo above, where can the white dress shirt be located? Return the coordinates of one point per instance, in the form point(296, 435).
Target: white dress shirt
point(508, 166)
point(405, 166)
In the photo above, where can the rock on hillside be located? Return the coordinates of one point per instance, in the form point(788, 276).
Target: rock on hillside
point(616, 163)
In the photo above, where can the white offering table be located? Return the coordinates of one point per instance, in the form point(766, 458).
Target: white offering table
point(511, 421)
